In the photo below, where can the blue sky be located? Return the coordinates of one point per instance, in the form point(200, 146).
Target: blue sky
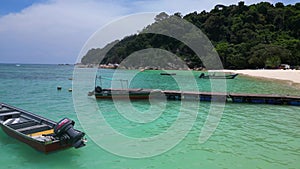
point(54, 31)
point(10, 6)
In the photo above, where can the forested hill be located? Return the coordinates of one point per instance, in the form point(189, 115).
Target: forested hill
point(262, 35)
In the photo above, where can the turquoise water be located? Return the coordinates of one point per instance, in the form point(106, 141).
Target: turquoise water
point(248, 135)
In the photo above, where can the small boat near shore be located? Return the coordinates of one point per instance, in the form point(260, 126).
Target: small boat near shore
point(38, 132)
point(213, 76)
point(168, 74)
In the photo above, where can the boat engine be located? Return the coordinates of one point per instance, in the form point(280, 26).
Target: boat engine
point(98, 89)
point(67, 134)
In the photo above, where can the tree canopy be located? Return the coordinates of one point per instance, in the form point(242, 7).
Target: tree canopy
point(261, 35)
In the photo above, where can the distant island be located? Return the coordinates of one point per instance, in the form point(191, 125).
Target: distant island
point(262, 35)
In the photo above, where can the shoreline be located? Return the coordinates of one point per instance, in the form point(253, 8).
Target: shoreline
point(292, 77)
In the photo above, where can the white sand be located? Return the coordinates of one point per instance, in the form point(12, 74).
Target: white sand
point(287, 75)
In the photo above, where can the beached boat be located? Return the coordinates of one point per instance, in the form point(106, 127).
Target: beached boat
point(38, 132)
point(213, 76)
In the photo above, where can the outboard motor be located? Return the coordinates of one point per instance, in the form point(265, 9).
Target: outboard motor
point(67, 134)
point(98, 89)
point(201, 75)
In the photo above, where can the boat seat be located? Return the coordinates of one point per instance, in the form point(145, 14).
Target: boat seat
point(8, 115)
point(6, 110)
point(23, 124)
point(41, 133)
point(33, 129)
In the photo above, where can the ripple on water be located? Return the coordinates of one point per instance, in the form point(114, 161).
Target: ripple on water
point(248, 136)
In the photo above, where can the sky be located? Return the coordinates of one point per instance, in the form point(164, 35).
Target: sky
point(54, 31)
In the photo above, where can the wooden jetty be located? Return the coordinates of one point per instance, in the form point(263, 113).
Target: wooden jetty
point(201, 96)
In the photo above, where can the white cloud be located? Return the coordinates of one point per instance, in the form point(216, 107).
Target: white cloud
point(54, 32)
point(184, 6)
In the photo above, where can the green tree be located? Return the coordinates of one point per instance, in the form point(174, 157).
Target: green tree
point(255, 36)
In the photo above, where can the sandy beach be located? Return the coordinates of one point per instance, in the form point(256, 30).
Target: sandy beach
point(278, 74)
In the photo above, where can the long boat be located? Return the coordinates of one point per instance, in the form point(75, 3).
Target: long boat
point(120, 93)
point(168, 74)
point(38, 132)
point(230, 76)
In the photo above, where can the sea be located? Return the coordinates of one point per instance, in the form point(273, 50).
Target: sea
point(150, 134)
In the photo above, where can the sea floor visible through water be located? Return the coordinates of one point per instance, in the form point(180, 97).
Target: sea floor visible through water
point(247, 136)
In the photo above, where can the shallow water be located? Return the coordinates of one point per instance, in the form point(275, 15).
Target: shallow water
point(247, 136)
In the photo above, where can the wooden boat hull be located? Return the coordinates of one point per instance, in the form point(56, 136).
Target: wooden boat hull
point(40, 146)
point(202, 76)
point(38, 132)
point(133, 97)
point(135, 94)
point(168, 74)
